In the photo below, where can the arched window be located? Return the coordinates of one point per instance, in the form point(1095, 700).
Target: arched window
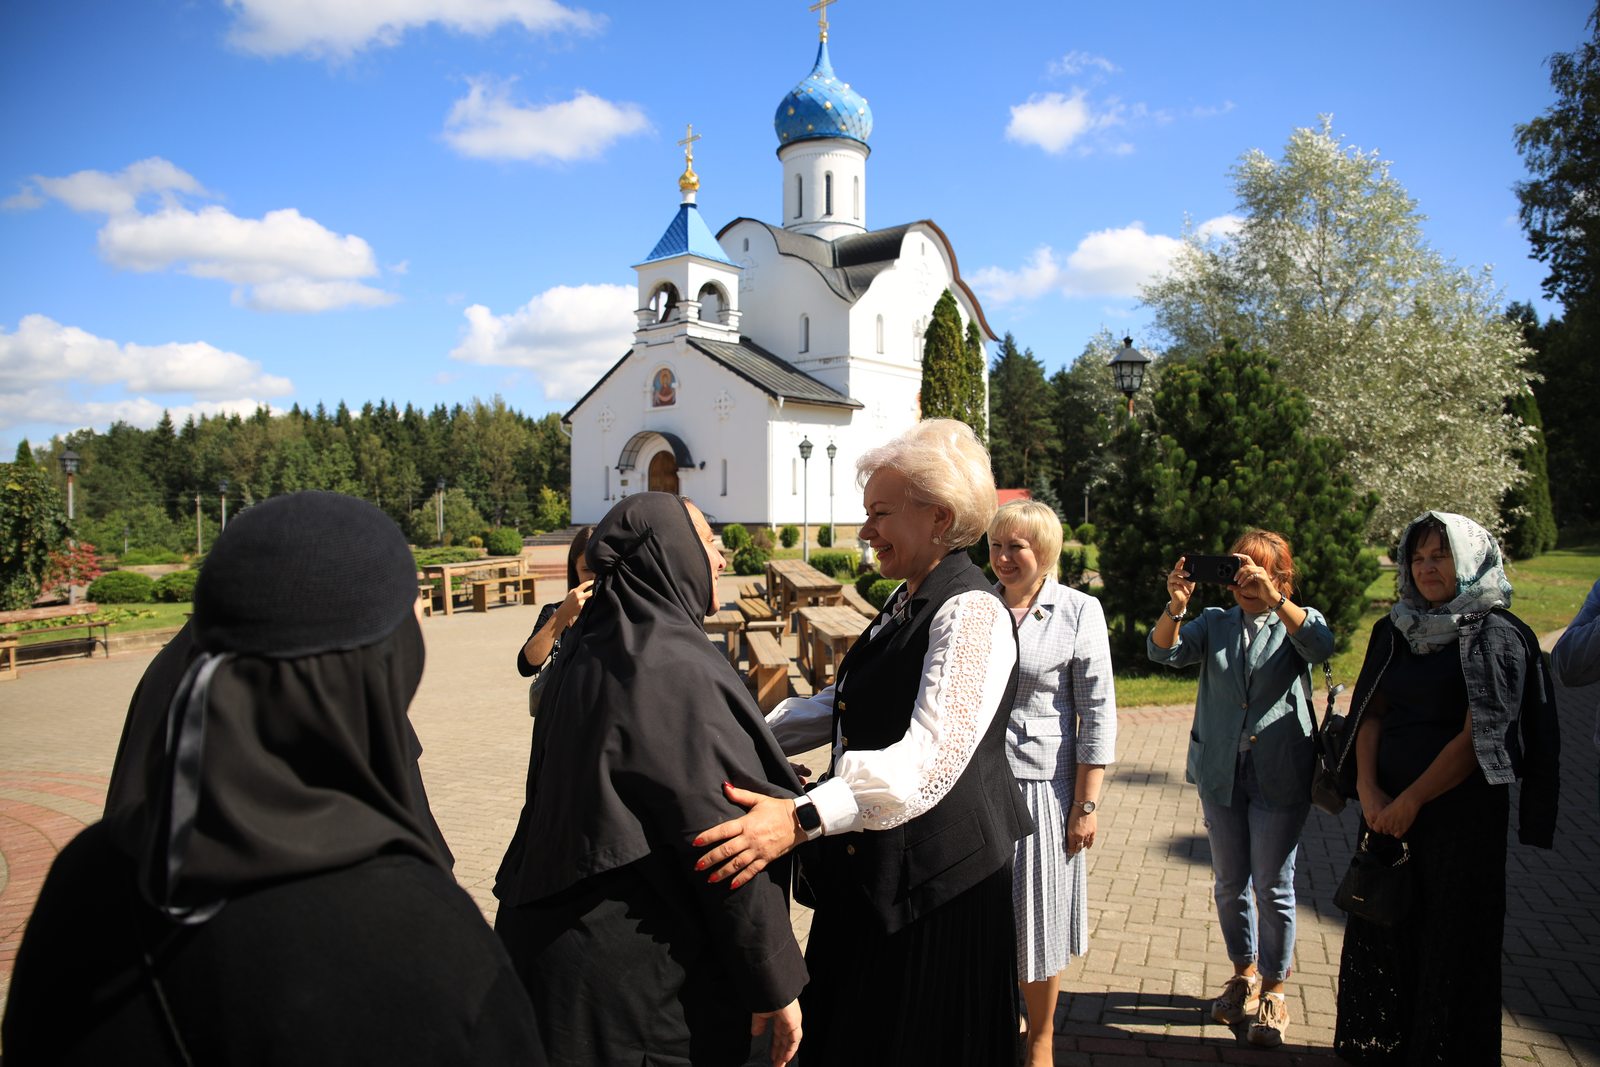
point(827, 193)
point(805, 333)
point(664, 302)
point(712, 303)
point(799, 194)
point(880, 335)
point(856, 199)
point(724, 477)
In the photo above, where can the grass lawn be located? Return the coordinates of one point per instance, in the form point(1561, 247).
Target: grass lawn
point(1546, 593)
point(124, 619)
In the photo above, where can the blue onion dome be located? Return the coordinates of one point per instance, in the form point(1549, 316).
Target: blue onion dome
point(822, 106)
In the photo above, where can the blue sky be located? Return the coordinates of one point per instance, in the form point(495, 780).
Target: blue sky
point(209, 205)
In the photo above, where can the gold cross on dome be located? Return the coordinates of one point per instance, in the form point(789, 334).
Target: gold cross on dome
point(690, 137)
point(821, 8)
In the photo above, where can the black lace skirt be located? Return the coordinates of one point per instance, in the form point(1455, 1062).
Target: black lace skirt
point(1428, 990)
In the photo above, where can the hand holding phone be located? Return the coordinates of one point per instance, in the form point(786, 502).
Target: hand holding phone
point(1218, 570)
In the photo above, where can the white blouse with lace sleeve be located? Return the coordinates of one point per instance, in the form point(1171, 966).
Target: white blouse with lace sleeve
point(971, 650)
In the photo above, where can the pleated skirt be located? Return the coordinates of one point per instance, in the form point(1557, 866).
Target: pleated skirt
point(939, 993)
point(1049, 889)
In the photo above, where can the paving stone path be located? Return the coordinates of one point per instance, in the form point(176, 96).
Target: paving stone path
point(1155, 957)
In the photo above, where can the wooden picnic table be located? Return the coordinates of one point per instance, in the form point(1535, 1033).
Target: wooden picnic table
point(728, 623)
point(826, 634)
point(64, 617)
point(794, 582)
point(504, 572)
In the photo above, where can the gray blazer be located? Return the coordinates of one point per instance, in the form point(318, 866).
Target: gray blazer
point(1065, 712)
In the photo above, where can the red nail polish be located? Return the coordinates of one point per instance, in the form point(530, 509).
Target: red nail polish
point(697, 842)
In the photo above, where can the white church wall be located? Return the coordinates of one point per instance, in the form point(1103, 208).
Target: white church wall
point(807, 167)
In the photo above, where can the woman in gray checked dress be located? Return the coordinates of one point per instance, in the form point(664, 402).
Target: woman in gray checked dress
point(1062, 734)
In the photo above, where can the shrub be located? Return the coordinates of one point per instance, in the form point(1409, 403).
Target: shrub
point(734, 537)
point(425, 556)
point(121, 587)
point(825, 536)
point(841, 565)
point(750, 560)
point(864, 582)
point(143, 557)
point(175, 588)
point(1086, 533)
point(879, 592)
point(761, 537)
point(789, 535)
point(1074, 561)
point(503, 541)
point(474, 541)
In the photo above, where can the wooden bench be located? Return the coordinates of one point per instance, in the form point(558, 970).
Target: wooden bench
point(769, 670)
point(860, 603)
point(752, 591)
point(66, 617)
point(509, 591)
point(758, 615)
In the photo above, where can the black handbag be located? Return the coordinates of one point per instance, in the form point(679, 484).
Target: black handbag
point(1328, 741)
point(1376, 887)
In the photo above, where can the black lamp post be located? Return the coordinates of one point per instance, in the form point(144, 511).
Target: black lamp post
point(833, 534)
point(438, 499)
point(222, 489)
point(805, 491)
point(1128, 367)
point(69, 467)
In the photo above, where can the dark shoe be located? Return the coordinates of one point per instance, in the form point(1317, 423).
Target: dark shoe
point(1240, 1000)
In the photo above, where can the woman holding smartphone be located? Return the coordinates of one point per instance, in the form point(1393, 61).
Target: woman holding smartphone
point(1251, 757)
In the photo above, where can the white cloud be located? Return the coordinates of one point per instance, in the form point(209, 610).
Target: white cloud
point(1076, 62)
point(282, 261)
point(488, 124)
point(1106, 263)
point(1220, 228)
point(568, 336)
point(63, 374)
point(25, 199)
point(340, 28)
point(1052, 120)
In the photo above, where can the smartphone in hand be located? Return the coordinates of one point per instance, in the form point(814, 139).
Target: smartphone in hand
point(1218, 570)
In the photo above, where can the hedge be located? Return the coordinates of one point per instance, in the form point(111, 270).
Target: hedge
point(734, 537)
point(839, 564)
point(880, 591)
point(503, 541)
point(176, 588)
point(121, 587)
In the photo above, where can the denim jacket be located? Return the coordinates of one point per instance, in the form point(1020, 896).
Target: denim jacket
point(1261, 697)
point(1515, 730)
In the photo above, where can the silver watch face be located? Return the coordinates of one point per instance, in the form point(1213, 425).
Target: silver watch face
point(1087, 807)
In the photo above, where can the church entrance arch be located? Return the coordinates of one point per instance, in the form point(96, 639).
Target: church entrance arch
point(663, 476)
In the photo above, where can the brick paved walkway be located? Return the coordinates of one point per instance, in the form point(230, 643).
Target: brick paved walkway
point(1155, 956)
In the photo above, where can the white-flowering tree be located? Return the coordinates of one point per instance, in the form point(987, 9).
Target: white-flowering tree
point(1404, 357)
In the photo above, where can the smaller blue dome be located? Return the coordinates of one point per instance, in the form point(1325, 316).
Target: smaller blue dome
point(822, 106)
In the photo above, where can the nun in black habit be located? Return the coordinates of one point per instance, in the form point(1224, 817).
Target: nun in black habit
point(629, 956)
point(268, 885)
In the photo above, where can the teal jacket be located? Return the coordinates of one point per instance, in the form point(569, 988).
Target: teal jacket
point(1264, 699)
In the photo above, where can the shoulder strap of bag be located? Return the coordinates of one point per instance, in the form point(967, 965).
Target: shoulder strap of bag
point(1311, 704)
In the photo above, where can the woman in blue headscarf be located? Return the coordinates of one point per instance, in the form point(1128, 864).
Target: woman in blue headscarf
point(1454, 702)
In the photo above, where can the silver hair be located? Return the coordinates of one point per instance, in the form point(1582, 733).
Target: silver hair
point(945, 464)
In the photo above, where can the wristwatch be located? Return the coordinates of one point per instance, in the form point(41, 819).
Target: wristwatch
point(1086, 806)
point(810, 819)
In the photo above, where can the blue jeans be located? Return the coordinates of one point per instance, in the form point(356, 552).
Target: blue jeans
point(1254, 842)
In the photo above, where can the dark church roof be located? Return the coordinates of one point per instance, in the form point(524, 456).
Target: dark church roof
point(754, 364)
point(849, 264)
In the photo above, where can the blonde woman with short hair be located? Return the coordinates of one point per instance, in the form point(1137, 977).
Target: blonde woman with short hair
point(1062, 733)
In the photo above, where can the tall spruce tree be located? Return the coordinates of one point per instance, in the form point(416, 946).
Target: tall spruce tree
point(1022, 433)
point(943, 355)
point(975, 382)
point(1227, 447)
point(1527, 511)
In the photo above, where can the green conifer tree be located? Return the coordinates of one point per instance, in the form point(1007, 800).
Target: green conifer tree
point(943, 353)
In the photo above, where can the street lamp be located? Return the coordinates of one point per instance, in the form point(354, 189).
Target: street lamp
point(222, 488)
point(1128, 367)
point(833, 534)
point(805, 490)
point(438, 498)
point(69, 467)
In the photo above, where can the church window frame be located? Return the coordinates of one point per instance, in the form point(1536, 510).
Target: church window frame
point(805, 333)
point(799, 195)
point(722, 306)
point(827, 193)
point(607, 476)
point(855, 200)
point(669, 299)
point(880, 335)
point(724, 477)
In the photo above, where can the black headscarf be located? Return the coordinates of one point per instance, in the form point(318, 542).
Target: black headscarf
point(269, 740)
point(645, 718)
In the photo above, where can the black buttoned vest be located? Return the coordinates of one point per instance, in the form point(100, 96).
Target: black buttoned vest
point(907, 871)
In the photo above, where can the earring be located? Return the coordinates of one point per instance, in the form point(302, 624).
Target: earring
point(937, 539)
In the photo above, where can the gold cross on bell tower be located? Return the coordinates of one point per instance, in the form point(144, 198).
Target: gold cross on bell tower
point(690, 181)
point(821, 8)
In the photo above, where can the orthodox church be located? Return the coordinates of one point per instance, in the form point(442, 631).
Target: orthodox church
point(755, 343)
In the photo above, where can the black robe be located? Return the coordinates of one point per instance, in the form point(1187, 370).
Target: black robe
point(629, 955)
